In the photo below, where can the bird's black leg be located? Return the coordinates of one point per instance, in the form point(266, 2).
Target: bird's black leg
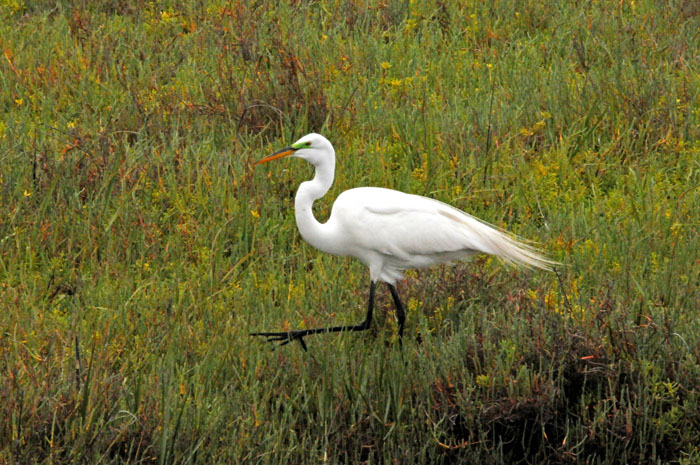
point(400, 314)
point(286, 337)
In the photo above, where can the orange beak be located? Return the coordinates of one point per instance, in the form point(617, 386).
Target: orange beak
point(279, 154)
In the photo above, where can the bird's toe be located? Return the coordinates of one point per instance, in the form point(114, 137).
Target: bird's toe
point(283, 338)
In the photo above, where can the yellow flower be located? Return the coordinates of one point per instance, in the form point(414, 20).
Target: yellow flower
point(27, 193)
point(255, 214)
point(19, 101)
point(483, 380)
point(385, 65)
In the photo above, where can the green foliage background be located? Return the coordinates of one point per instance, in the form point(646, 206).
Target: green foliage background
point(138, 246)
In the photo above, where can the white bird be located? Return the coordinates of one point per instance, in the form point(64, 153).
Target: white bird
point(389, 231)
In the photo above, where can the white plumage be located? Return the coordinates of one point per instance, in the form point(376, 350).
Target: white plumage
point(389, 231)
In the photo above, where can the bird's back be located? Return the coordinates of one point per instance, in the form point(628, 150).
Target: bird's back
point(391, 231)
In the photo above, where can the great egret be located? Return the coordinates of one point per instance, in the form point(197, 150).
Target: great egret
point(389, 231)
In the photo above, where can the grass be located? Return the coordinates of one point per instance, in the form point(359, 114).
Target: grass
point(139, 248)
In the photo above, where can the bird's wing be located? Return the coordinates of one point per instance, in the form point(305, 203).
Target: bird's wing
point(421, 231)
point(404, 225)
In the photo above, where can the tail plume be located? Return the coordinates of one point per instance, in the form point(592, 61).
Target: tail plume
point(512, 250)
point(490, 239)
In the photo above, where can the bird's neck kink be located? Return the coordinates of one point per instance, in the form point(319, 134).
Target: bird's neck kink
point(311, 230)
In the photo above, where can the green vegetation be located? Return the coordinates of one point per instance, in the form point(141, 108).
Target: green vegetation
point(138, 246)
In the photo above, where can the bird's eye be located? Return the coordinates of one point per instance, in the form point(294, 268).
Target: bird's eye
point(308, 144)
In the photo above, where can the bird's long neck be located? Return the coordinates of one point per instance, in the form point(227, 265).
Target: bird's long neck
point(311, 230)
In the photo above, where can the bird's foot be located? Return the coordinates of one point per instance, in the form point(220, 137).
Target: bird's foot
point(284, 338)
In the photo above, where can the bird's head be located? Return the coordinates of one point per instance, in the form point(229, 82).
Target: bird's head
point(313, 148)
